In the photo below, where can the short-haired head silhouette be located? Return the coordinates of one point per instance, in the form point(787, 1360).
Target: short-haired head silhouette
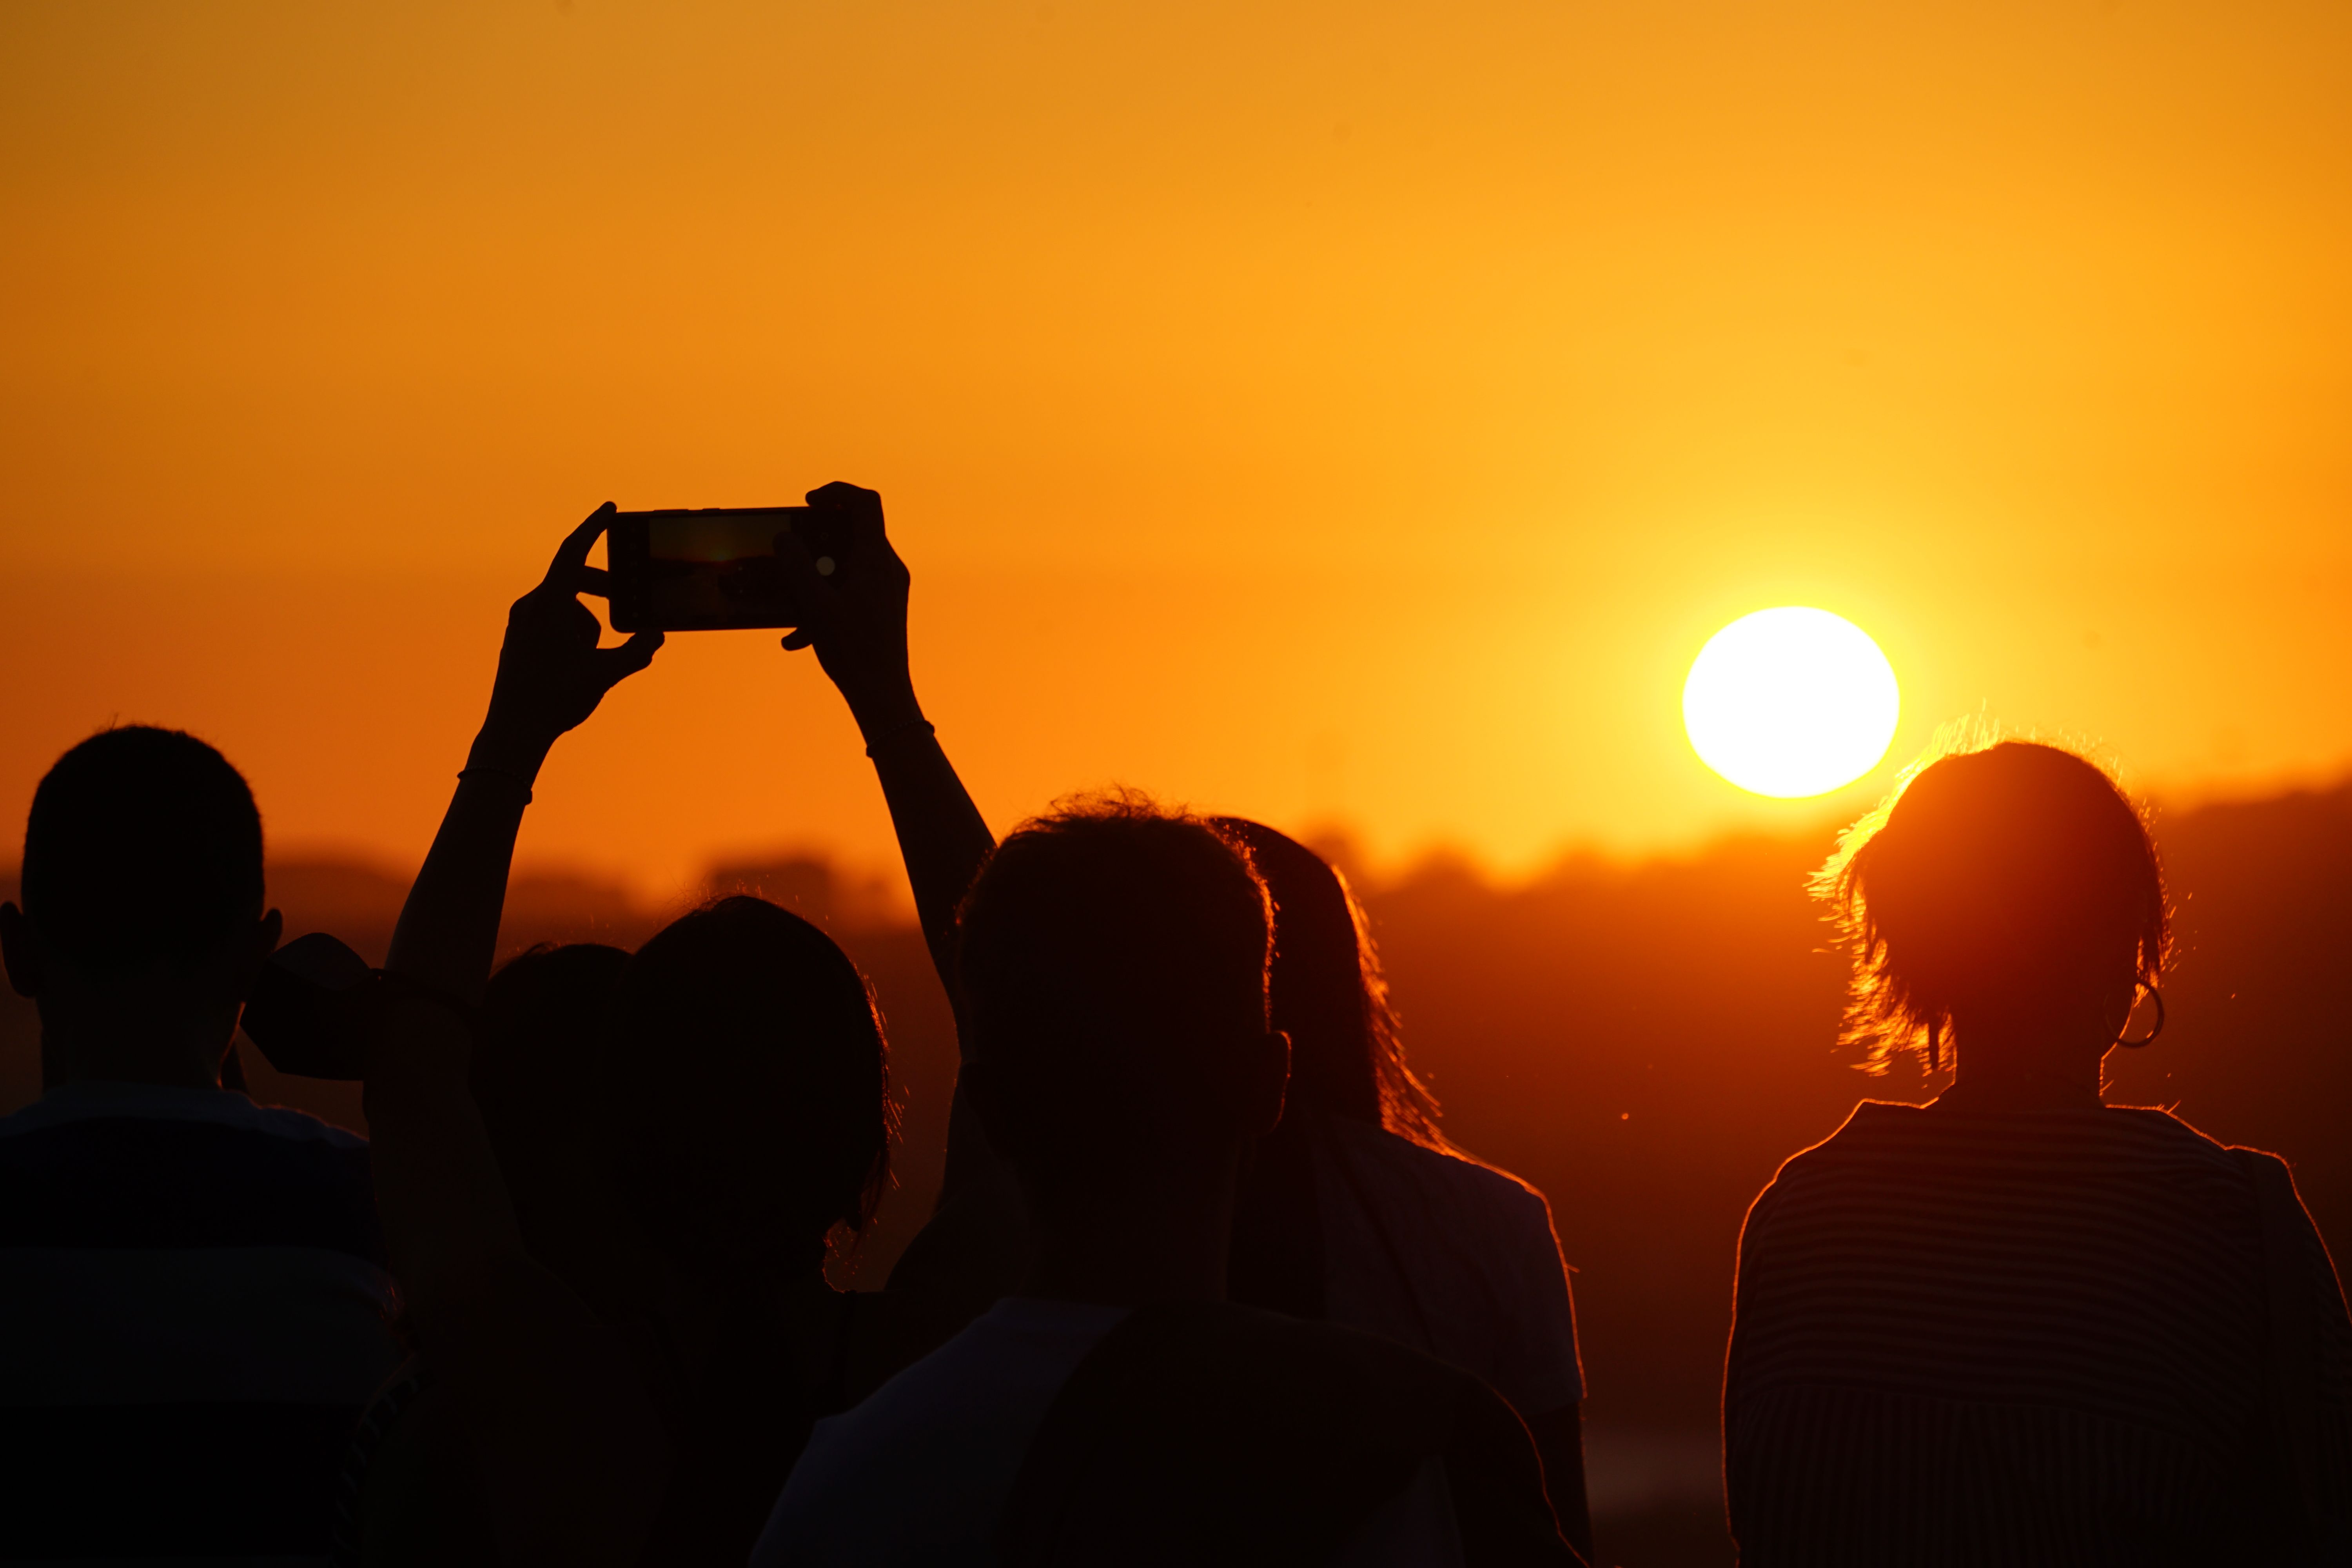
point(2007, 894)
point(1112, 964)
point(142, 927)
point(761, 1119)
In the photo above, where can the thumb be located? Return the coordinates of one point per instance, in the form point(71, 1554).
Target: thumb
point(614, 665)
point(820, 600)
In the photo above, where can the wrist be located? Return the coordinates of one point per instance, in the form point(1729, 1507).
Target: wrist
point(884, 712)
point(499, 749)
point(878, 741)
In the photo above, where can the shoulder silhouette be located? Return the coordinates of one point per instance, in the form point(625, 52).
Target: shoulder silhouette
point(196, 1286)
point(1112, 968)
point(2016, 1269)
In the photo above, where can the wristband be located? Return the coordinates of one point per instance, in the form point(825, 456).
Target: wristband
point(896, 730)
point(508, 773)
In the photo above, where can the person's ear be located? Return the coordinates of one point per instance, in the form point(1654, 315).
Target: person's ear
point(21, 951)
point(1264, 1081)
point(253, 952)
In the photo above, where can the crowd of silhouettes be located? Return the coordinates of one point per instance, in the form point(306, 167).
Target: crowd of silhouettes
point(1206, 1280)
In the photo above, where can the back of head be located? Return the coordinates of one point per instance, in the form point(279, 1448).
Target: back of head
point(1112, 963)
point(543, 1059)
point(1327, 992)
point(143, 850)
point(1998, 881)
point(540, 1049)
point(755, 1116)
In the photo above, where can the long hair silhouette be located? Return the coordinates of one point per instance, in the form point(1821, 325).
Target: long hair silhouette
point(1326, 992)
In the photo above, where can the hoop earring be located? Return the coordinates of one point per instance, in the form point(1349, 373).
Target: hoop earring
point(2148, 1039)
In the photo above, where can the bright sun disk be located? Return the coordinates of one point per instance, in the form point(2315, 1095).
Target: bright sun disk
point(1790, 702)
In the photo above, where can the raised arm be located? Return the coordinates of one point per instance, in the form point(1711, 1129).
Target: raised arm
point(551, 675)
point(976, 1244)
point(568, 1438)
point(856, 622)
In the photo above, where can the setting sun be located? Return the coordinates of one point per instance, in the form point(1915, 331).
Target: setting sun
point(1790, 702)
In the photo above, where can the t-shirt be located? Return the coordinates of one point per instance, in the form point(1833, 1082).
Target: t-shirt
point(192, 1308)
point(1452, 1257)
point(1972, 1336)
point(920, 1472)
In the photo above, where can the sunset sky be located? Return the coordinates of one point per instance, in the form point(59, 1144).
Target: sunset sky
point(1337, 414)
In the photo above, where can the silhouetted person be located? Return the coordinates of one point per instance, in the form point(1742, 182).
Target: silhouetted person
point(193, 1287)
point(1112, 967)
point(1403, 1217)
point(538, 1071)
point(1357, 1210)
point(680, 1132)
point(758, 1126)
point(631, 1322)
point(2016, 1326)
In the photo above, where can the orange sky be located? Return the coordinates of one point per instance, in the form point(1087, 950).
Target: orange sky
point(1327, 412)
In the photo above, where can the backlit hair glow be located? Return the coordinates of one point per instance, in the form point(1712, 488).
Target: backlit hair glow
point(1994, 879)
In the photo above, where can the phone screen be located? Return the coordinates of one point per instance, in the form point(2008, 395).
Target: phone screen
point(702, 571)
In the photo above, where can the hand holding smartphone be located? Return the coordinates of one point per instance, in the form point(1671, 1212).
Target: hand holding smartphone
point(715, 569)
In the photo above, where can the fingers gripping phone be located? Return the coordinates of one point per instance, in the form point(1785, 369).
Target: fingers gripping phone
point(715, 569)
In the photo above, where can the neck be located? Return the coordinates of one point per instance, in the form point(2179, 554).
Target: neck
point(1170, 1247)
point(173, 1052)
point(2017, 1065)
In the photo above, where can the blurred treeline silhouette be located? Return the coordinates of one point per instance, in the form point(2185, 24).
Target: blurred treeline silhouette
point(1645, 1042)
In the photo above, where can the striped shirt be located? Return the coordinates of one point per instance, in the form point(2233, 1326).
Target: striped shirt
point(193, 1303)
point(2011, 1337)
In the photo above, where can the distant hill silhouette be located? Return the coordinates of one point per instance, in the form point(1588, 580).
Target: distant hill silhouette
point(1645, 1042)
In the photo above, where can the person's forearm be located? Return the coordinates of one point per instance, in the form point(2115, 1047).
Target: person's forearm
point(975, 1245)
point(942, 835)
point(448, 936)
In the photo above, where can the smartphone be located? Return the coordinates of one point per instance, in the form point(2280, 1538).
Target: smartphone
point(711, 570)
